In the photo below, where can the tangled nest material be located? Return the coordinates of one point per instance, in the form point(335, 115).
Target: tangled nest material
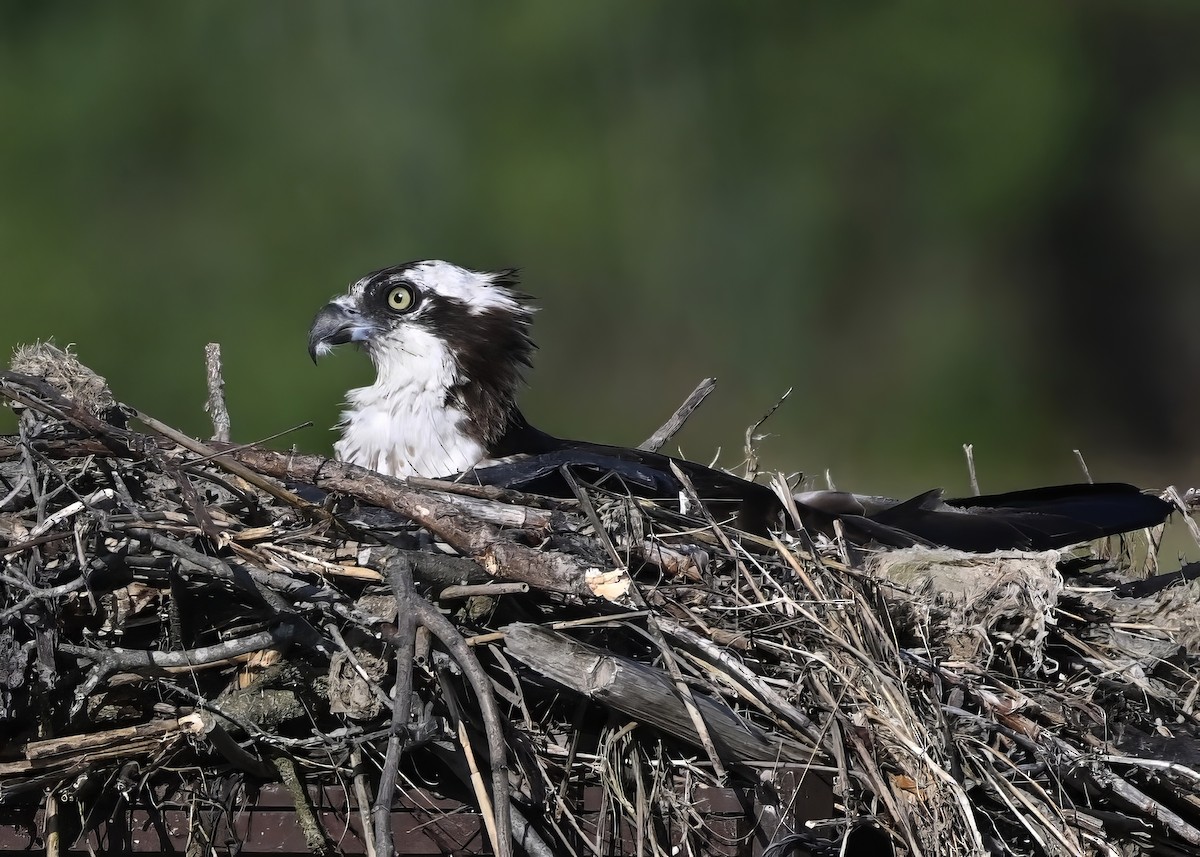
point(177, 616)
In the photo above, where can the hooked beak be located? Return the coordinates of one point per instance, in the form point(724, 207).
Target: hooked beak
point(334, 325)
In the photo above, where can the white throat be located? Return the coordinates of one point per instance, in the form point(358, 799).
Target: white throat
point(405, 424)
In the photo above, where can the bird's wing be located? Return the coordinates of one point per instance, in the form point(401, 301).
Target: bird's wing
point(749, 505)
point(1033, 519)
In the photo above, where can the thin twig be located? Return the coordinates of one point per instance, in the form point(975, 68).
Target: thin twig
point(672, 426)
point(1087, 475)
point(969, 451)
point(752, 436)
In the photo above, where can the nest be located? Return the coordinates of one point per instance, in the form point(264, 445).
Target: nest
point(182, 622)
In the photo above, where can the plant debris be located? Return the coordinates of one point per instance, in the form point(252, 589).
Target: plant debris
point(184, 621)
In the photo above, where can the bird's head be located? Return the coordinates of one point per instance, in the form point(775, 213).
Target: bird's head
point(434, 324)
point(461, 307)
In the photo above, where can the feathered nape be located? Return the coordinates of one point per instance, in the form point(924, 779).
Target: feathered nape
point(492, 349)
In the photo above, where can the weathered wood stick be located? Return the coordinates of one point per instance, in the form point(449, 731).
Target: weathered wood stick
point(216, 407)
point(672, 426)
point(644, 693)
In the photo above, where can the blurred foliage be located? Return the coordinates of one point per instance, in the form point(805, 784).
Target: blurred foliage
point(938, 222)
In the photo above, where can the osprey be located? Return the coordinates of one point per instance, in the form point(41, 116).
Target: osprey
point(450, 346)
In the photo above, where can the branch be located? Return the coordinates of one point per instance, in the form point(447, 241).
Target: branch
point(215, 406)
point(669, 429)
point(399, 576)
point(108, 661)
point(548, 570)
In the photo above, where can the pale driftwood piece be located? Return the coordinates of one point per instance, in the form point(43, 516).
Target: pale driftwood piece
point(217, 410)
point(553, 570)
point(672, 426)
point(502, 514)
point(644, 693)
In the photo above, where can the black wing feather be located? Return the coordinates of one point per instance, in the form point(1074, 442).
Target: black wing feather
point(1033, 519)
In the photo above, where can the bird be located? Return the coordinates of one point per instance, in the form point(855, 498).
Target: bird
point(450, 346)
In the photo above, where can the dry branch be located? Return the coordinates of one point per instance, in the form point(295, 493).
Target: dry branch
point(672, 426)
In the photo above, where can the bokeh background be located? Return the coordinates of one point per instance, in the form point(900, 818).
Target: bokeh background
point(939, 223)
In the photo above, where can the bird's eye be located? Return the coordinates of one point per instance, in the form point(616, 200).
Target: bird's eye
point(401, 298)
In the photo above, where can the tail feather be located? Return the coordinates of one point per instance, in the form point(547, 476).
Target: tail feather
point(1033, 519)
point(1038, 518)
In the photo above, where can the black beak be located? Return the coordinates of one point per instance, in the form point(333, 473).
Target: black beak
point(334, 325)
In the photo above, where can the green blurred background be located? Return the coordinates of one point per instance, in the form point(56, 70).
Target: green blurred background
point(938, 222)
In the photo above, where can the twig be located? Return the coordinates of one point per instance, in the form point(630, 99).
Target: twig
point(226, 448)
point(277, 491)
point(362, 799)
point(314, 834)
point(969, 451)
point(476, 779)
point(36, 594)
point(449, 636)
point(215, 406)
point(485, 589)
point(752, 436)
point(542, 569)
point(108, 661)
point(399, 577)
point(1185, 508)
point(1087, 475)
point(17, 489)
point(672, 426)
point(717, 655)
point(233, 752)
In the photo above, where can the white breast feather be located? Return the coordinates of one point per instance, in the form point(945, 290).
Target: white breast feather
point(402, 425)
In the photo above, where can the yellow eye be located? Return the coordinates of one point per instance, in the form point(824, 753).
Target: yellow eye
point(401, 298)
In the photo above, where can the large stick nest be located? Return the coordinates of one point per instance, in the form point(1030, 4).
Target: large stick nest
point(177, 617)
